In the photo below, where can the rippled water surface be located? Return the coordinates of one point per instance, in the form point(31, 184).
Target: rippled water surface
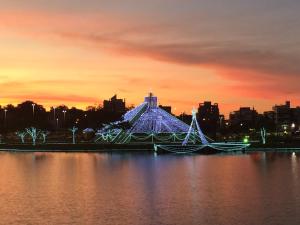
point(137, 189)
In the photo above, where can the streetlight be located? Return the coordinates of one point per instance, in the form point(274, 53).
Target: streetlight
point(221, 121)
point(64, 111)
point(5, 114)
point(56, 123)
point(54, 112)
point(33, 105)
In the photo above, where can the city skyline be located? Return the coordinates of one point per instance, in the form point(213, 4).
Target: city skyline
point(167, 107)
point(66, 51)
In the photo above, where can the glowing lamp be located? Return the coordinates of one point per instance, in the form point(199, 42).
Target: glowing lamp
point(246, 140)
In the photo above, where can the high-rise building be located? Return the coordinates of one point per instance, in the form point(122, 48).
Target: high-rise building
point(286, 118)
point(114, 105)
point(296, 115)
point(282, 114)
point(209, 117)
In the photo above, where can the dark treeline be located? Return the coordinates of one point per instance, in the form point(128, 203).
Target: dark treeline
point(28, 113)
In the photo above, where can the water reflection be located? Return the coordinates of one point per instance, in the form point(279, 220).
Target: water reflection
point(79, 188)
point(295, 165)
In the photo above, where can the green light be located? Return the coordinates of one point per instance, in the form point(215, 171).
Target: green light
point(246, 140)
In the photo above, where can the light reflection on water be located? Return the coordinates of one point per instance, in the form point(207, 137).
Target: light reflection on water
point(134, 188)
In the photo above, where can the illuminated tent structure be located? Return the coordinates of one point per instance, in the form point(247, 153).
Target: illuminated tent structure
point(149, 123)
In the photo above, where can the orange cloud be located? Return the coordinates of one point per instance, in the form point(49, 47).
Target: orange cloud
point(131, 57)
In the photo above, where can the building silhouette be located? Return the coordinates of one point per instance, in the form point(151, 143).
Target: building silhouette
point(209, 117)
point(114, 105)
point(286, 118)
point(243, 119)
point(187, 118)
point(166, 108)
point(282, 114)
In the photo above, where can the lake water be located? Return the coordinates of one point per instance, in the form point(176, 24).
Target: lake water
point(140, 188)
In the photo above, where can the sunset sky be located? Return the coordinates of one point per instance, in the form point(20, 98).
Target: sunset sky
point(234, 52)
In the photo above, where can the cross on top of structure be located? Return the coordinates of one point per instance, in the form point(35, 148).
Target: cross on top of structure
point(151, 100)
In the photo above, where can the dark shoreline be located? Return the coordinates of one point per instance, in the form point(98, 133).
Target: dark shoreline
point(81, 147)
point(93, 147)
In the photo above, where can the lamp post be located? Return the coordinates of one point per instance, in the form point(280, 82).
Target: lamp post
point(64, 111)
point(221, 121)
point(5, 115)
point(33, 105)
point(57, 123)
point(54, 112)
